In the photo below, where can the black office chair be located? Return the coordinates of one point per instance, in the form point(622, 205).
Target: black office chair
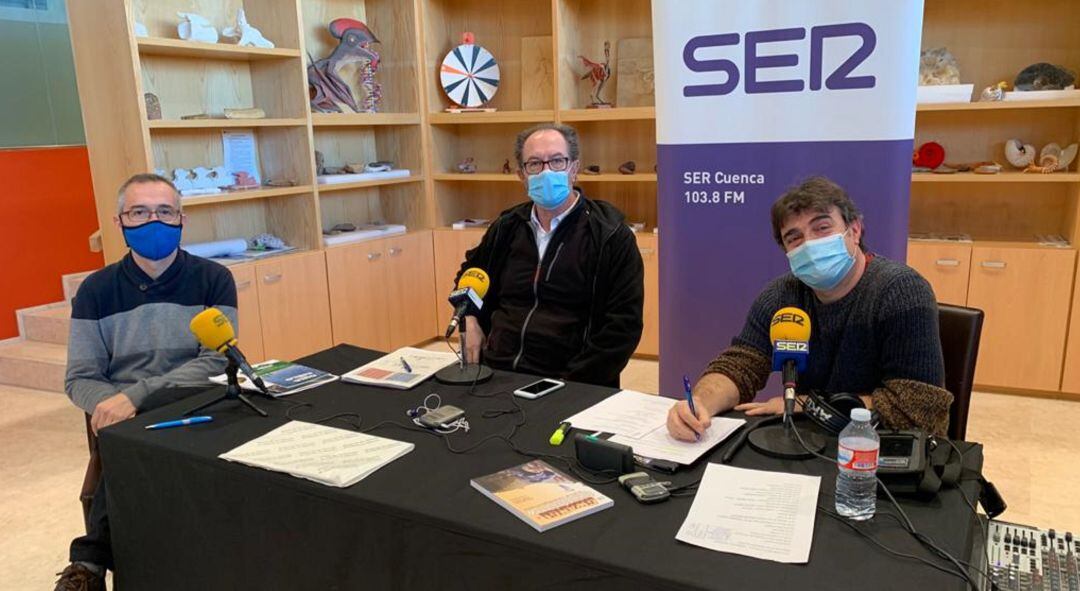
point(960, 331)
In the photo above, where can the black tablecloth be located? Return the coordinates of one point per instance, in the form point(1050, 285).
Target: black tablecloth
point(183, 519)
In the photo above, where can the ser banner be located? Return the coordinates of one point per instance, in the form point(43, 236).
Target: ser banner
point(752, 97)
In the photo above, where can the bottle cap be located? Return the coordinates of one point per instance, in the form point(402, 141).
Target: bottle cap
point(860, 414)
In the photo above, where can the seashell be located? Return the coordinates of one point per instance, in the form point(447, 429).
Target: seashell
point(1019, 154)
point(1067, 157)
point(1050, 156)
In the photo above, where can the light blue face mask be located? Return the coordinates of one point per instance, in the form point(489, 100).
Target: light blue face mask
point(822, 263)
point(549, 189)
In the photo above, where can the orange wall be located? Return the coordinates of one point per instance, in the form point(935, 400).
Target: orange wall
point(46, 215)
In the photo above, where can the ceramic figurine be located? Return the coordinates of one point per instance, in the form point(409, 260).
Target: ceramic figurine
point(195, 27)
point(628, 167)
point(994, 93)
point(467, 166)
point(598, 74)
point(328, 90)
point(938, 66)
point(245, 34)
point(243, 180)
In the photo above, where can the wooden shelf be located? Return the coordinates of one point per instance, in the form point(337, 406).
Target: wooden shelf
point(1003, 177)
point(222, 123)
point(220, 51)
point(614, 114)
point(196, 200)
point(642, 177)
point(362, 119)
point(998, 105)
point(477, 177)
point(444, 118)
point(416, 178)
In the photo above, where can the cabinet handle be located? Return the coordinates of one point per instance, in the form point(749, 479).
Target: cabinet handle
point(993, 264)
point(647, 251)
point(374, 256)
point(394, 251)
point(272, 278)
point(947, 263)
point(243, 284)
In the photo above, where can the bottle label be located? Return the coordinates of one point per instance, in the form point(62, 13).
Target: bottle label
point(857, 459)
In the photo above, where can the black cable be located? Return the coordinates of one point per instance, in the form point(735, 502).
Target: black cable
point(908, 526)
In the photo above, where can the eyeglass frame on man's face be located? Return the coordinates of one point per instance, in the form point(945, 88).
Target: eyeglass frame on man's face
point(550, 164)
point(161, 212)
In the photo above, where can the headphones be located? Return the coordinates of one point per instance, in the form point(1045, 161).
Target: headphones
point(832, 412)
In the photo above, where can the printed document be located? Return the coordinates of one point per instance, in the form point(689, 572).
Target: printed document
point(658, 444)
point(401, 369)
point(327, 455)
point(768, 515)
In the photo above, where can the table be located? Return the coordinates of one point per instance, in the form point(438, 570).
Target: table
point(183, 519)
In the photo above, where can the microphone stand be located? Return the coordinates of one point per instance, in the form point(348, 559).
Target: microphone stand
point(232, 392)
point(462, 373)
point(779, 441)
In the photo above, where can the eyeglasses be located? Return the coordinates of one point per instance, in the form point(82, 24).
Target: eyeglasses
point(556, 164)
point(164, 213)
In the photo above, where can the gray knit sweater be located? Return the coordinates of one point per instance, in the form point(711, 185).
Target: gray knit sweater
point(129, 333)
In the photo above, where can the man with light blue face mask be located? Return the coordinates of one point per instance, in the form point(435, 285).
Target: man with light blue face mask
point(567, 280)
point(130, 348)
point(875, 324)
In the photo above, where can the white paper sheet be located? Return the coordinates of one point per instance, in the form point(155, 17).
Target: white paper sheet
point(327, 455)
point(241, 154)
point(767, 515)
point(390, 372)
point(628, 413)
point(660, 445)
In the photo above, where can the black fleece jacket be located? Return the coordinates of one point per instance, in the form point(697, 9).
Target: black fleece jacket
point(577, 313)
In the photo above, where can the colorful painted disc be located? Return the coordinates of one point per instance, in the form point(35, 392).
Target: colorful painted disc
point(470, 75)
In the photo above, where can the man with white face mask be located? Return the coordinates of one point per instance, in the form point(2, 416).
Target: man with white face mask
point(567, 280)
point(875, 324)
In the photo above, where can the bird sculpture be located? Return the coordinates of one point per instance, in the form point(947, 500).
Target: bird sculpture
point(598, 75)
point(328, 89)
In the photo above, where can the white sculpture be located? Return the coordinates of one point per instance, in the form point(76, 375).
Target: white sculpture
point(140, 30)
point(221, 177)
point(247, 35)
point(182, 180)
point(195, 27)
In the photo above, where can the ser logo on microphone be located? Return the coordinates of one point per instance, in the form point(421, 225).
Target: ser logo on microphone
point(792, 346)
point(796, 318)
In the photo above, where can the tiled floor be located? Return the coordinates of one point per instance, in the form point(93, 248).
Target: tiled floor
point(1030, 446)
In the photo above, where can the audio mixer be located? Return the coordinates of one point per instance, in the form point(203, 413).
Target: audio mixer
point(1024, 557)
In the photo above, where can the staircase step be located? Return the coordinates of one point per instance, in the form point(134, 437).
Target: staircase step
point(31, 364)
point(71, 283)
point(46, 324)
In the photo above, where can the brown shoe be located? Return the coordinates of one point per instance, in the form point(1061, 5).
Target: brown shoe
point(77, 577)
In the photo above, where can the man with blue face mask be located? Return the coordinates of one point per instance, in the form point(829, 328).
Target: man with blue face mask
point(875, 324)
point(130, 341)
point(567, 280)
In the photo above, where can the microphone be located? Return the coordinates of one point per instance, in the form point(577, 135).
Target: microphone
point(789, 332)
point(468, 298)
point(214, 331)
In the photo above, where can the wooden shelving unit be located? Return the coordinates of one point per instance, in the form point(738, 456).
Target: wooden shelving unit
point(999, 105)
point(1002, 177)
point(219, 51)
point(223, 123)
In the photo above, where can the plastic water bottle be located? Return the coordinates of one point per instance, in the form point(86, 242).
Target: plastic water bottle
point(857, 458)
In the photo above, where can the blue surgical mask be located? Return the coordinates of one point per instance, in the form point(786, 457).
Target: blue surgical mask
point(822, 263)
point(549, 189)
point(153, 240)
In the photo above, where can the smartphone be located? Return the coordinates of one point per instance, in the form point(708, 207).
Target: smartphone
point(539, 388)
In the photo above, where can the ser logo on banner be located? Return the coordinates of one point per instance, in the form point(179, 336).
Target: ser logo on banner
point(839, 79)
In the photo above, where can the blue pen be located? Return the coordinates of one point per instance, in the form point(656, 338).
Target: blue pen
point(179, 423)
point(690, 400)
point(405, 364)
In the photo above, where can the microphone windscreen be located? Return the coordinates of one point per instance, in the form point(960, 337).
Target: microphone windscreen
point(213, 329)
point(790, 324)
point(475, 278)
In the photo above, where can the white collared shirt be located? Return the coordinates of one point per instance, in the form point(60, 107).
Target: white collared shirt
point(543, 237)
